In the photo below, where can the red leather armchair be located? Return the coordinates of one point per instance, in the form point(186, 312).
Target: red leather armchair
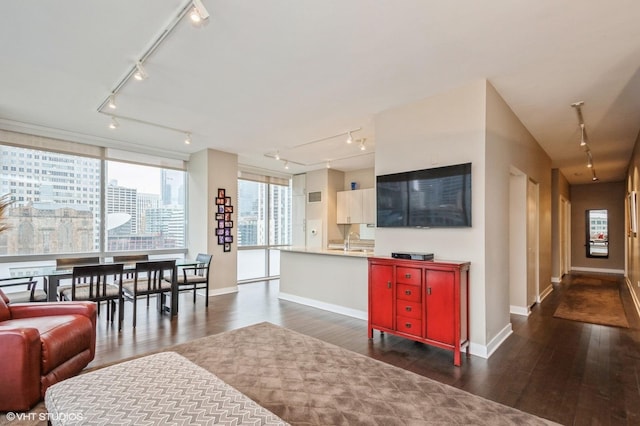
point(42, 344)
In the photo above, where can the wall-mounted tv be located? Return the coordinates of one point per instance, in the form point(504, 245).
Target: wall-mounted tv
point(430, 198)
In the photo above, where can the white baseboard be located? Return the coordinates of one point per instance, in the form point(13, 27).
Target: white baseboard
point(600, 270)
point(519, 310)
point(636, 302)
point(221, 291)
point(547, 291)
point(354, 313)
point(556, 280)
point(494, 344)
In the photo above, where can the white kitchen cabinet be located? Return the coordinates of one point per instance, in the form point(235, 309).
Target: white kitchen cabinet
point(369, 205)
point(357, 206)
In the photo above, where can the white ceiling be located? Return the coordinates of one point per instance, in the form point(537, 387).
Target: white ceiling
point(270, 75)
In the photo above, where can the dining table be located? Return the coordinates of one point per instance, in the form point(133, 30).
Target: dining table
point(52, 276)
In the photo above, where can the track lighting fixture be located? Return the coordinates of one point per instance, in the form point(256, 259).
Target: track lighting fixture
point(198, 13)
point(584, 140)
point(286, 165)
point(114, 123)
point(187, 140)
point(362, 147)
point(112, 101)
point(140, 73)
point(350, 138)
point(328, 164)
point(277, 156)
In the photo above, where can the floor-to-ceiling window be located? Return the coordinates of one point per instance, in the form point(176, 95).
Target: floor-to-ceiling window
point(66, 203)
point(264, 223)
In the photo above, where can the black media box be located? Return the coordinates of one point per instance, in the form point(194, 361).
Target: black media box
point(413, 256)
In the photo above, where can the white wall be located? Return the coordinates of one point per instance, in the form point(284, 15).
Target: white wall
point(632, 260)
point(364, 178)
point(468, 124)
point(208, 171)
point(442, 130)
point(509, 144)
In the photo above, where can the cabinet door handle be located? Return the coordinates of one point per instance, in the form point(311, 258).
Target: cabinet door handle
point(408, 325)
point(429, 291)
point(407, 276)
point(407, 308)
point(407, 292)
point(388, 284)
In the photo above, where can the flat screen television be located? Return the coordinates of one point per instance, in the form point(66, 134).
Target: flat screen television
point(431, 198)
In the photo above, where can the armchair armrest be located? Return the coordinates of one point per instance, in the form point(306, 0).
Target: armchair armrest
point(28, 310)
point(20, 353)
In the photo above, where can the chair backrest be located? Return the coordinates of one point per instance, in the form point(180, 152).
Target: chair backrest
point(97, 278)
point(131, 258)
point(67, 262)
point(27, 295)
point(5, 312)
point(204, 262)
point(149, 276)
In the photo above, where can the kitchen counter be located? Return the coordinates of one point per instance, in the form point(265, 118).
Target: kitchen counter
point(331, 252)
point(333, 280)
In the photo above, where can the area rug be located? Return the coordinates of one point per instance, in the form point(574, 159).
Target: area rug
point(306, 381)
point(593, 300)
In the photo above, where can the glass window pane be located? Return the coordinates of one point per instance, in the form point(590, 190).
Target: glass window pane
point(274, 263)
point(251, 264)
point(252, 213)
point(279, 215)
point(56, 206)
point(145, 207)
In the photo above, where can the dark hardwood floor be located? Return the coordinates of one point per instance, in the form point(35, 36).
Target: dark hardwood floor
point(565, 371)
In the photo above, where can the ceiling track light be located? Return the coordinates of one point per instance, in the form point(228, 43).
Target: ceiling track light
point(140, 73)
point(584, 140)
point(328, 164)
point(277, 156)
point(362, 147)
point(112, 101)
point(286, 165)
point(187, 139)
point(114, 124)
point(198, 13)
point(350, 138)
point(583, 137)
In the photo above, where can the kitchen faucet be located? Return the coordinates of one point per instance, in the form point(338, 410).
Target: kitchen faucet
point(347, 244)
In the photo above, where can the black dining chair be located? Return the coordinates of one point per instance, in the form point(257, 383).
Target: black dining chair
point(98, 283)
point(150, 278)
point(29, 293)
point(196, 277)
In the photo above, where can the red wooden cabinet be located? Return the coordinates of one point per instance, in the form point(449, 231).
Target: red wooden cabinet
point(381, 297)
point(426, 301)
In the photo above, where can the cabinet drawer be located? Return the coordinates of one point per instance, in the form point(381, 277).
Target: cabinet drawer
point(409, 309)
point(410, 293)
point(408, 275)
point(409, 325)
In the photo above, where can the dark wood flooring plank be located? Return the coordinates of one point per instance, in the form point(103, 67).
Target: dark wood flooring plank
point(566, 371)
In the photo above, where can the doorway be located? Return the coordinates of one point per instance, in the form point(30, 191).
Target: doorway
point(565, 236)
point(523, 242)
